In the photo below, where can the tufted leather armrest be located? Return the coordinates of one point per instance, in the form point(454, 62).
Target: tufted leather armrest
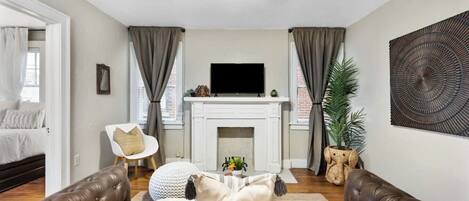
point(362, 185)
point(109, 184)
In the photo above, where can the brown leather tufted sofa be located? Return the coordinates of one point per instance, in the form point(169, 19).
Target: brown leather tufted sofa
point(362, 185)
point(109, 184)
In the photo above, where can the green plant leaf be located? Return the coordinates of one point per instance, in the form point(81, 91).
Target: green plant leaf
point(346, 128)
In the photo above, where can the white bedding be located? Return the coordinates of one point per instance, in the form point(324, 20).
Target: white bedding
point(18, 144)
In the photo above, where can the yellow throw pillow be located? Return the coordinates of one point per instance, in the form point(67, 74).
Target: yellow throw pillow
point(130, 142)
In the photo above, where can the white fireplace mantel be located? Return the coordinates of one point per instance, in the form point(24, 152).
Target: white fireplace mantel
point(237, 99)
point(261, 113)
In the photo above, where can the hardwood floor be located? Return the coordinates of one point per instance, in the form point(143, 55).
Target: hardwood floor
point(31, 191)
point(310, 183)
point(307, 183)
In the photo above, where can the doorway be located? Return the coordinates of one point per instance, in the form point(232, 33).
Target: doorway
point(57, 89)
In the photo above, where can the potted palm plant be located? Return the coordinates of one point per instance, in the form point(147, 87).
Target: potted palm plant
point(344, 126)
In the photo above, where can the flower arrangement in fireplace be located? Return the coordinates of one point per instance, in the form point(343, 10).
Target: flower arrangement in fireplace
point(234, 163)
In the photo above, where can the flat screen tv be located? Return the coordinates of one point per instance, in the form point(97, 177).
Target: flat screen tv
point(246, 78)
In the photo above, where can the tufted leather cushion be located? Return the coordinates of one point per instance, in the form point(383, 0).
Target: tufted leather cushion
point(109, 184)
point(362, 185)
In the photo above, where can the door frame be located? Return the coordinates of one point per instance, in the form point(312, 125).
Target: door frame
point(57, 89)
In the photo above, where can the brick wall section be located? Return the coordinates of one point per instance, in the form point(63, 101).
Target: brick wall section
point(303, 100)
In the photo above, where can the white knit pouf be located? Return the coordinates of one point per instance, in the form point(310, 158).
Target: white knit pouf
point(169, 181)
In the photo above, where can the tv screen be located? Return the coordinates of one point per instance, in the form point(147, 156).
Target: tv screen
point(237, 78)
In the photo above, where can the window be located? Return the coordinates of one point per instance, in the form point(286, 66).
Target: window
point(300, 99)
point(31, 89)
point(171, 102)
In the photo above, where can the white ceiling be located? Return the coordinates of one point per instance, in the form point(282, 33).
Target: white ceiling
point(10, 17)
point(238, 14)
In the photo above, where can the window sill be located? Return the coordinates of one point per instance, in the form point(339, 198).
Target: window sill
point(169, 125)
point(173, 125)
point(298, 126)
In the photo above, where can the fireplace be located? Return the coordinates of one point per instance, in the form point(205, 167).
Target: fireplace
point(262, 115)
point(235, 142)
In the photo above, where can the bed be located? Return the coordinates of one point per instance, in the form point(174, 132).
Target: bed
point(22, 156)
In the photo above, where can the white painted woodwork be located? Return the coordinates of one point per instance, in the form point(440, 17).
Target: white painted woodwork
point(261, 113)
point(57, 96)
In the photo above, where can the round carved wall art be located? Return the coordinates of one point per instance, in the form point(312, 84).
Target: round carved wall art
point(430, 77)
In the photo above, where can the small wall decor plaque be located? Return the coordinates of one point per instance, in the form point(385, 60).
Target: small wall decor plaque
point(103, 79)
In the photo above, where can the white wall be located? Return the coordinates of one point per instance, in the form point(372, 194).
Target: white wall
point(428, 165)
point(10, 17)
point(202, 47)
point(95, 38)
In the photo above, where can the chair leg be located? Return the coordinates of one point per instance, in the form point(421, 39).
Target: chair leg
point(153, 163)
point(116, 160)
point(126, 165)
point(136, 168)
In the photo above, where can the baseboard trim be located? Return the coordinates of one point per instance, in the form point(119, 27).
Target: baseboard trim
point(291, 163)
point(170, 160)
point(299, 163)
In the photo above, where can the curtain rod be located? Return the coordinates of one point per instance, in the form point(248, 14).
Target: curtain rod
point(29, 28)
point(182, 29)
point(14, 27)
point(291, 29)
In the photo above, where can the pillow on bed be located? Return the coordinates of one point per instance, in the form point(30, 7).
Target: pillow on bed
point(33, 106)
point(6, 105)
point(18, 119)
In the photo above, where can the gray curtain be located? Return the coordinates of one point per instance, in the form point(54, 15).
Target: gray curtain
point(155, 49)
point(317, 49)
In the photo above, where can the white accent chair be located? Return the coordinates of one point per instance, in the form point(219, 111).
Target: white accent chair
point(151, 147)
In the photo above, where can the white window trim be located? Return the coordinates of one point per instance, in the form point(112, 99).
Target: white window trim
point(40, 45)
point(294, 125)
point(134, 75)
point(299, 126)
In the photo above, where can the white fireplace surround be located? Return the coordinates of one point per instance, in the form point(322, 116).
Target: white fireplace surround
point(261, 113)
